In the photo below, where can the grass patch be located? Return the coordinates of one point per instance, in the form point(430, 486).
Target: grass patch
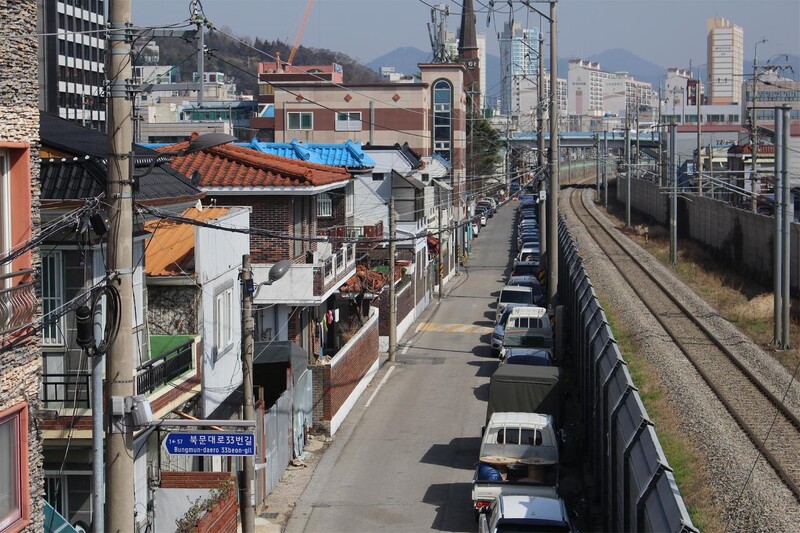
point(687, 463)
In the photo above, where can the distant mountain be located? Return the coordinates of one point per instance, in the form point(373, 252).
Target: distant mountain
point(620, 60)
point(404, 60)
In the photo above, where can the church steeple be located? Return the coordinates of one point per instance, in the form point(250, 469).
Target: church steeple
point(468, 50)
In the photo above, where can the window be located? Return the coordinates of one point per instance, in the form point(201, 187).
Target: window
point(442, 118)
point(324, 205)
point(223, 323)
point(348, 121)
point(300, 121)
point(349, 200)
point(52, 299)
point(13, 467)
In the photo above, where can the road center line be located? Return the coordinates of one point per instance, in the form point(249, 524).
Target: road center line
point(385, 377)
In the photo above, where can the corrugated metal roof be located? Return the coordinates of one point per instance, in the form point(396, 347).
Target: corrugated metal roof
point(170, 251)
point(346, 155)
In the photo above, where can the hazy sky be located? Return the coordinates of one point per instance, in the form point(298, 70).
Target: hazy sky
point(667, 32)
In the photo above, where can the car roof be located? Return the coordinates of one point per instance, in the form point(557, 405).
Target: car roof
point(519, 507)
point(515, 288)
point(530, 311)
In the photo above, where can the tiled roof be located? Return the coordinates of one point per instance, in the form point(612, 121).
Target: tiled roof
point(84, 175)
point(346, 155)
point(765, 149)
point(236, 166)
point(413, 158)
point(170, 251)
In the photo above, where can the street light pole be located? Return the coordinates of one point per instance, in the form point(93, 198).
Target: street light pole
point(247, 482)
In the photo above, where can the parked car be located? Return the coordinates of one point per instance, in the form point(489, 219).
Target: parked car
point(539, 296)
point(481, 215)
point(512, 294)
point(527, 271)
point(528, 356)
point(500, 328)
point(488, 207)
point(525, 513)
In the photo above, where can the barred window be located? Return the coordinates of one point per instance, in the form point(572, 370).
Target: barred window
point(324, 205)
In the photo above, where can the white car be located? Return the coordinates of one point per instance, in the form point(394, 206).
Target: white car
point(525, 513)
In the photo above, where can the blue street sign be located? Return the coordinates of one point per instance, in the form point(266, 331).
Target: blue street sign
point(210, 443)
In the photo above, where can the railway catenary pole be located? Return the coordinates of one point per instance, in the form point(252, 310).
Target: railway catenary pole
point(605, 168)
point(627, 169)
point(673, 213)
point(788, 217)
point(552, 199)
point(541, 151)
point(777, 262)
point(596, 167)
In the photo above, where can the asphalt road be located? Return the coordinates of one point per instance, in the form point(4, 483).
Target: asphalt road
point(403, 460)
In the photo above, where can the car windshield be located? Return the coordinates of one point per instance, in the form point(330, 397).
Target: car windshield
point(516, 297)
point(534, 359)
point(504, 317)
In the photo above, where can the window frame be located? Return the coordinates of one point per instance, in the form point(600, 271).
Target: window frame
point(5, 211)
point(300, 115)
point(324, 205)
point(351, 122)
point(349, 200)
point(57, 267)
point(19, 518)
point(223, 319)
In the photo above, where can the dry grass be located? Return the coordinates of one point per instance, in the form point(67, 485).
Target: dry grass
point(736, 297)
point(684, 458)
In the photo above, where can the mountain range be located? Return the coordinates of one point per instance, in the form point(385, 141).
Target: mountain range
point(405, 60)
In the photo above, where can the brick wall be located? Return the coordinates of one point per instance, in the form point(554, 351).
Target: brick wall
point(20, 367)
point(334, 382)
point(405, 304)
point(272, 213)
point(222, 518)
point(338, 218)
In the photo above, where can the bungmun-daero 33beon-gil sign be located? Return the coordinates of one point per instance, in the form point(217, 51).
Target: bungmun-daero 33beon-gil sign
point(210, 443)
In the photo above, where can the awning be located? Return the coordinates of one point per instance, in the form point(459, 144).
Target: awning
point(266, 353)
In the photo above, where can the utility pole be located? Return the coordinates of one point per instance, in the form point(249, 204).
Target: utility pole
point(698, 91)
point(788, 218)
point(201, 55)
point(660, 141)
point(247, 481)
point(392, 295)
point(754, 144)
point(596, 167)
point(638, 135)
point(777, 278)
point(439, 248)
point(605, 169)
point(540, 142)
point(673, 218)
point(552, 199)
point(119, 363)
point(627, 169)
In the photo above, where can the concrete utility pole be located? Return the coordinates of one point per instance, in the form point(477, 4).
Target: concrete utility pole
point(777, 261)
point(660, 141)
point(439, 248)
point(788, 218)
point(673, 213)
point(627, 170)
point(638, 134)
point(392, 295)
point(119, 363)
point(698, 91)
point(247, 480)
point(541, 150)
point(605, 169)
point(596, 167)
point(754, 144)
point(555, 185)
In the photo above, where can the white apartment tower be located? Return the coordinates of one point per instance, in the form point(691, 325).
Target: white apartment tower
point(519, 65)
point(725, 51)
point(585, 83)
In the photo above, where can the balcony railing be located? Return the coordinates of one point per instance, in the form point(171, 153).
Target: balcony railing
point(374, 231)
point(164, 368)
point(18, 302)
point(66, 390)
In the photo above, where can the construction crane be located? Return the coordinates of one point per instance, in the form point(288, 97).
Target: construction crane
point(300, 31)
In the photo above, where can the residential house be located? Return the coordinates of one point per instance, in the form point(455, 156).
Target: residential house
point(21, 475)
point(73, 182)
point(287, 198)
point(439, 211)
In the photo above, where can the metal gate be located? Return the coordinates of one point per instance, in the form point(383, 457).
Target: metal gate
point(278, 436)
point(303, 411)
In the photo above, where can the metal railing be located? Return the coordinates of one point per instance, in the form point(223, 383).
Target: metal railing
point(18, 302)
point(637, 487)
point(374, 231)
point(66, 390)
point(159, 371)
point(334, 266)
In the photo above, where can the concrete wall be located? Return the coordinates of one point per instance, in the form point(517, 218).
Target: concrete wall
point(738, 238)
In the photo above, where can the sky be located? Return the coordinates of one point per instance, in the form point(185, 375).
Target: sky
point(666, 32)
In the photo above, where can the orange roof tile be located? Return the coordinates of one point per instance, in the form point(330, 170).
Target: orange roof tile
point(237, 166)
point(170, 251)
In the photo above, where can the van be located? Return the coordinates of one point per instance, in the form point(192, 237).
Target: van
point(528, 318)
point(512, 294)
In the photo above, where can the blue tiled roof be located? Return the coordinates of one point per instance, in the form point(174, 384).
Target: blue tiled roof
point(347, 155)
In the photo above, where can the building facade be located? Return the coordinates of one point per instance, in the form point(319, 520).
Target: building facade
point(519, 68)
point(725, 50)
point(71, 60)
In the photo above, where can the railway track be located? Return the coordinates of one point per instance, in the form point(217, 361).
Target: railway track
point(769, 424)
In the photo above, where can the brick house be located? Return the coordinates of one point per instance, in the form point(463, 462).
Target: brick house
point(286, 197)
point(21, 475)
point(73, 178)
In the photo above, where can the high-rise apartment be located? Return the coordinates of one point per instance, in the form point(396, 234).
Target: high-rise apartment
point(725, 49)
point(71, 59)
point(519, 64)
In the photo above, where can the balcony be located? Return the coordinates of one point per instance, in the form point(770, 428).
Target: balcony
point(164, 368)
point(350, 233)
point(307, 283)
point(17, 303)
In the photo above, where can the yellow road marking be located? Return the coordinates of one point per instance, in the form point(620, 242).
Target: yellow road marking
point(453, 328)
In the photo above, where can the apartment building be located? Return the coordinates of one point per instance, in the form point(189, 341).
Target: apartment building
point(725, 60)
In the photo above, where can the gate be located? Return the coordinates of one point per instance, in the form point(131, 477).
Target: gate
point(278, 436)
point(303, 402)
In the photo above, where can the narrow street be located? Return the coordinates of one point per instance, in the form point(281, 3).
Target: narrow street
point(403, 460)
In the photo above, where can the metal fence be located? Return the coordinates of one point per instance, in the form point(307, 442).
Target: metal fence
point(278, 432)
point(163, 368)
point(634, 480)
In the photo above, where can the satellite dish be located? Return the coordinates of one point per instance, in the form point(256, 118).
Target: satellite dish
point(279, 270)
